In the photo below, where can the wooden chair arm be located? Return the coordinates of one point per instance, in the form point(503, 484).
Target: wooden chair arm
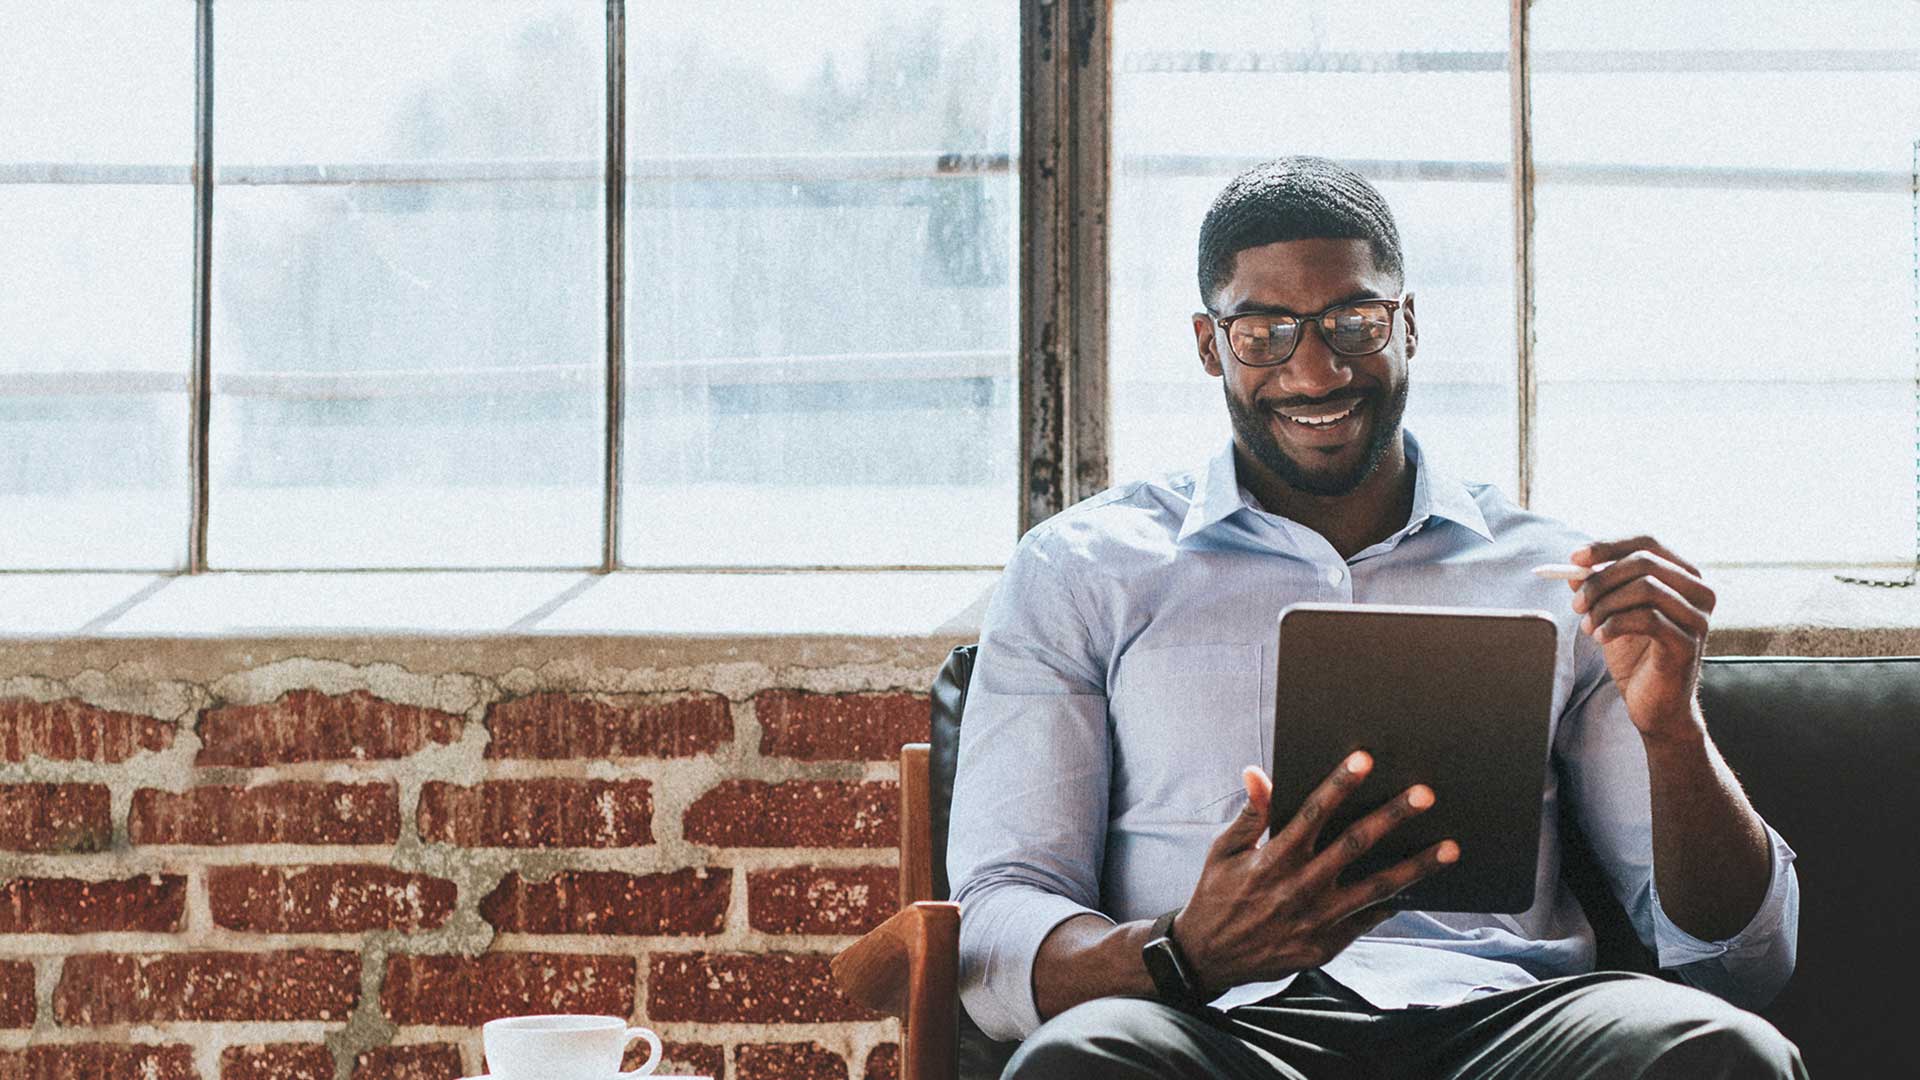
point(908, 967)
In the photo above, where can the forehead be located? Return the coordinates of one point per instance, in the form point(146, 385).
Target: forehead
point(1303, 276)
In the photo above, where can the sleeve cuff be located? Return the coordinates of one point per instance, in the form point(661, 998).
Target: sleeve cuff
point(1001, 1000)
point(1677, 948)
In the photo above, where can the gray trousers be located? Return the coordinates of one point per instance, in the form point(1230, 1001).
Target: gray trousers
point(1605, 1025)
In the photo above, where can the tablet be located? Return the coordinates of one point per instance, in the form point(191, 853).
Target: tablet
point(1459, 699)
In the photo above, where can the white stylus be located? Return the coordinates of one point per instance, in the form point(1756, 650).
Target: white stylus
point(1562, 572)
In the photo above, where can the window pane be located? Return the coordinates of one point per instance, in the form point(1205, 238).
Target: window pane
point(96, 225)
point(1417, 101)
point(1725, 259)
point(820, 284)
point(408, 284)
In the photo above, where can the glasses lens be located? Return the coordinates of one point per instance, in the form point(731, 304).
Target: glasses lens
point(1359, 329)
point(1263, 339)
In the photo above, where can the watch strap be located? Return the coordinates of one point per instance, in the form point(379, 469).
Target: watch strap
point(1173, 979)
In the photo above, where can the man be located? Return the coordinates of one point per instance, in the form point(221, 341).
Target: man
point(1104, 797)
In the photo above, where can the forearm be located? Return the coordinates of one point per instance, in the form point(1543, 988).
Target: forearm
point(1086, 958)
point(1711, 859)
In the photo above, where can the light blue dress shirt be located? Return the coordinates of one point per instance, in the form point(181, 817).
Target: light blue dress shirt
point(1125, 678)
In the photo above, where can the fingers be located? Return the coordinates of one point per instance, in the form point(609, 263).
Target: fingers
point(1362, 835)
point(1243, 832)
point(1303, 829)
point(1649, 594)
point(1609, 550)
point(1362, 899)
point(1650, 561)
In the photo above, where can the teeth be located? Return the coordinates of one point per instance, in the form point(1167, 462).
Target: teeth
point(1323, 421)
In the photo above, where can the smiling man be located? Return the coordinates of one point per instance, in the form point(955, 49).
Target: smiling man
point(1110, 813)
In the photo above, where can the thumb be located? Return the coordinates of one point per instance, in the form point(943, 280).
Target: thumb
point(1244, 831)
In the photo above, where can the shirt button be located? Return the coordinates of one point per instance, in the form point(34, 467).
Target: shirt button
point(1336, 574)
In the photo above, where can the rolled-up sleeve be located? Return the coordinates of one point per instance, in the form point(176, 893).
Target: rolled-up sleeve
point(1030, 791)
point(1606, 767)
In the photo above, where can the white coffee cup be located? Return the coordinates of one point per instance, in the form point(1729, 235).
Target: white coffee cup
point(563, 1048)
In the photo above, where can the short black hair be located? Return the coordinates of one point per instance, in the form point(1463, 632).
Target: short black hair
point(1294, 198)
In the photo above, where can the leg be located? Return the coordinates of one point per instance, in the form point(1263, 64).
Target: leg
point(1135, 1039)
point(1607, 1025)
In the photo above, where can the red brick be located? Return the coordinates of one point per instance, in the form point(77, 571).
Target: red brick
point(422, 1061)
point(822, 900)
point(307, 725)
point(287, 813)
point(16, 994)
point(151, 902)
point(298, 984)
point(55, 818)
point(839, 727)
point(799, 813)
point(689, 901)
point(790, 1061)
point(538, 813)
point(327, 899)
point(72, 730)
point(883, 1062)
point(561, 726)
point(749, 988)
point(681, 1059)
point(99, 1061)
point(467, 992)
point(277, 1061)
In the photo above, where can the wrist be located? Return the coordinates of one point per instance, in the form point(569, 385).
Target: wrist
point(1681, 730)
point(1168, 966)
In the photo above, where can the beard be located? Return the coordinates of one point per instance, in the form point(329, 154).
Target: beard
point(1252, 427)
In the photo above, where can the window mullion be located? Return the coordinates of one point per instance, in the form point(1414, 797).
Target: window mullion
point(1527, 409)
point(1065, 140)
point(200, 391)
point(616, 196)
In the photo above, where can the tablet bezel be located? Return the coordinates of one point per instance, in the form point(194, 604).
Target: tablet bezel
point(1364, 676)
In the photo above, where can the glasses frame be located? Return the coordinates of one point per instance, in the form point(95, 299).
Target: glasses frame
point(1318, 321)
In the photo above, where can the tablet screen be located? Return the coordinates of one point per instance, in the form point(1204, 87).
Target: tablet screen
point(1459, 699)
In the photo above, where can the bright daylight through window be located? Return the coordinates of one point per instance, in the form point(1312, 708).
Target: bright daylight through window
point(816, 279)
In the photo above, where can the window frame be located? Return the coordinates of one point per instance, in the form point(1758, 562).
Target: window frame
point(1064, 407)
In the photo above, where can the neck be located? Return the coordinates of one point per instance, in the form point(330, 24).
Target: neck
point(1353, 522)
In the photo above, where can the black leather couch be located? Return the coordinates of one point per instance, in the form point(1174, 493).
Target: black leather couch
point(1829, 752)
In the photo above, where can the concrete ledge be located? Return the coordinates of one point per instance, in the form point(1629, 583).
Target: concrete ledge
point(656, 619)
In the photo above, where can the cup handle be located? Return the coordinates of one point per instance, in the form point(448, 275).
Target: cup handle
point(653, 1057)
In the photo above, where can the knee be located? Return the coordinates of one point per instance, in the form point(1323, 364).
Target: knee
point(1677, 1031)
point(1728, 1042)
point(1107, 1037)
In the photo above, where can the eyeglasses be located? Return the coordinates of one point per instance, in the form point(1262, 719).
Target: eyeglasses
point(1267, 338)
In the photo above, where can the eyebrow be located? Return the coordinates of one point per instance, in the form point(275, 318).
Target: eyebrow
point(1263, 309)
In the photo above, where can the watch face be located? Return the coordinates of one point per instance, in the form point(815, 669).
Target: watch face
point(1169, 976)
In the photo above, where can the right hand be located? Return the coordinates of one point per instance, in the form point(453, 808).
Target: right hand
point(1265, 911)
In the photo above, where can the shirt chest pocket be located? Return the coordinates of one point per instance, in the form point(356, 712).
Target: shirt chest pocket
point(1186, 721)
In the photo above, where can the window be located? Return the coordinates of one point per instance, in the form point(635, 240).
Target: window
point(820, 284)
point(1417, 101)
point(1725, 256)
point(408, 293)
point(96, 284)
point(570, 283)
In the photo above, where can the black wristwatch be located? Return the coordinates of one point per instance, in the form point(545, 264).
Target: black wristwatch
point(1173, 979)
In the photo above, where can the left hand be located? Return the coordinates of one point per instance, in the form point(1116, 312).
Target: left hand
point(1647, 608)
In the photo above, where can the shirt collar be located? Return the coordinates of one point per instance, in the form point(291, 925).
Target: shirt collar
point(1218, 494)
point(1436, 494)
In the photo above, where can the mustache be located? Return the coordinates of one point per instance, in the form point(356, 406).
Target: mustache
point(1295, 402)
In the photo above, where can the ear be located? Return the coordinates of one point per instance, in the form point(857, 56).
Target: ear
point(1207, 342)
point(1413, 333)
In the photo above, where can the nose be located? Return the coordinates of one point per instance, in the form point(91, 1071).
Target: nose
point(1314, 369)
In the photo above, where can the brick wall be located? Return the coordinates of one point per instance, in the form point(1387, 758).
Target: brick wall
point(286, 862)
